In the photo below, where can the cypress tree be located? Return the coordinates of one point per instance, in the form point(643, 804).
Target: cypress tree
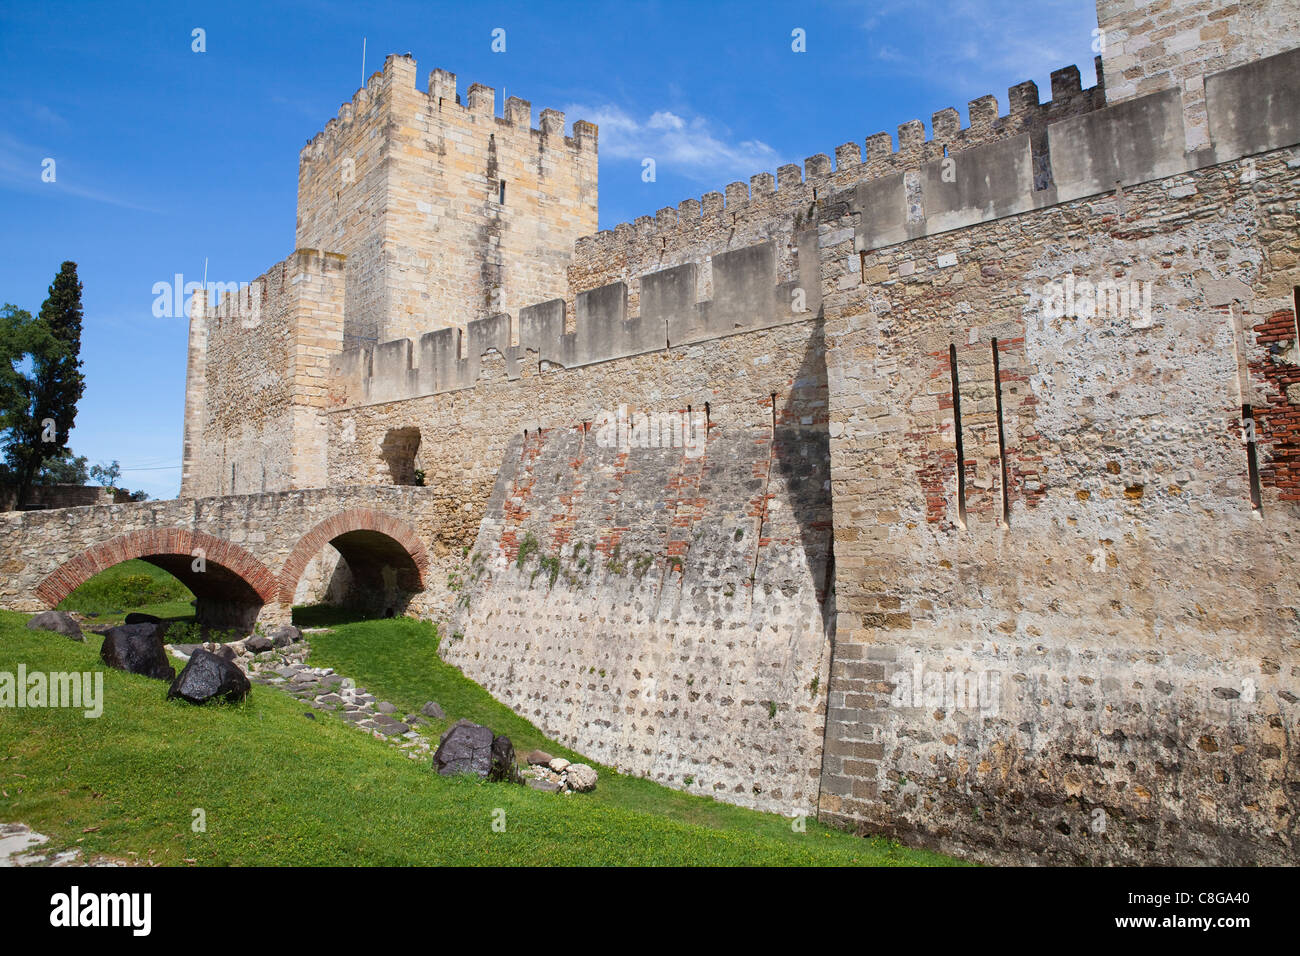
point(54, 386)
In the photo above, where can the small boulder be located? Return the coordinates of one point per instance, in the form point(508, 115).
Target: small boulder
point(60, 622)
point(503, 761)
point(545, 786)
point(384, 707)
point(465, 747)
point(538, 758)
point(431, 709)
point(284, 635)
point(226, 653)
point(137, 649)
point(559, 764)
point(580, 778)
point(135, 617)
point(208, 676)
point(257, 644)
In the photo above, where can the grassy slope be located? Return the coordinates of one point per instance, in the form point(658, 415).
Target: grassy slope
point(398, 661)
point(279, 789)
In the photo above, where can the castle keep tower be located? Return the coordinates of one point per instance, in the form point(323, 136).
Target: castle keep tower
point(416, 212)
point(445, 211)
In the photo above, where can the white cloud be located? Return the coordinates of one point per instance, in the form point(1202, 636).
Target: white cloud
point(690, 146)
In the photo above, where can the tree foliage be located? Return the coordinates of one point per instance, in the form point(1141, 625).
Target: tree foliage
point(63, 470)
point(106, 475)
point(40, 380)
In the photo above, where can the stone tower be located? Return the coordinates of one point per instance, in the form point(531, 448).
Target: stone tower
point(445, 211)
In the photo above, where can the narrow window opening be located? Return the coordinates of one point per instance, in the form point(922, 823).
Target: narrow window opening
point(814, 194)
point(862, 267)
point(956, 427)
point(1002, 439)
point(502, 196)
point(232, 479)
point(1252, 459)
point(398, 452)
point(706, 417)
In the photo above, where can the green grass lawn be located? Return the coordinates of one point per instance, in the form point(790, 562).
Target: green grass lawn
point(278, 788)
point(133, 585)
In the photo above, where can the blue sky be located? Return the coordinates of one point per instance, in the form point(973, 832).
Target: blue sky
point(165, 156)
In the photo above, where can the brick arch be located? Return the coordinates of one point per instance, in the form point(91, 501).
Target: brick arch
point(176, 544)
point(349, 522)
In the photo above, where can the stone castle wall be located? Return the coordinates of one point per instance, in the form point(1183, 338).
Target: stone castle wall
point(1175, 44)
point(669, 617)
point(600, 315)
point(1076, 640)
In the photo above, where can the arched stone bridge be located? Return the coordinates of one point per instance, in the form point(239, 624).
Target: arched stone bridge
point(245, 557)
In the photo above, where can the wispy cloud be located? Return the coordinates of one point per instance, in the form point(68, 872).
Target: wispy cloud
point(688, 145)
point(971, 48)
point(38, 112)
point(21, 165)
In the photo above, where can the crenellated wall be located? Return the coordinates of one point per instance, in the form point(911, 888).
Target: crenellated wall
point(780, 208)
point(749, 298)
point(711, 267)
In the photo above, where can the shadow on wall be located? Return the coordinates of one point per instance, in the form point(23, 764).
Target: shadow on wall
point(802, 454)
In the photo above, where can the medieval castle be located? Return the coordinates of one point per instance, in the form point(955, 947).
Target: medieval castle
point(944, 490)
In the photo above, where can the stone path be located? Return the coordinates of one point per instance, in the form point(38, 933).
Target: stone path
point(20, 846)
point(322, 689)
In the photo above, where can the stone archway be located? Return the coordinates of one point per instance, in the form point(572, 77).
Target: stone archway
point(383, 554)
point(229, 584)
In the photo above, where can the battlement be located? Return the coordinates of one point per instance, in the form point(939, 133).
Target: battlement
point(1081, 153)
point(245, 304)
point(399, 73)
point(747, 298)
point(1251, 108)
point(880, 155)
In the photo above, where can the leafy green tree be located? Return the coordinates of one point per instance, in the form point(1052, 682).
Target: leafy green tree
point(106, 475)
point(65, 470)
point(40, 379)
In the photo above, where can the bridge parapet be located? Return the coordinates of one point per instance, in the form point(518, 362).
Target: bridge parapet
point(244, 556)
